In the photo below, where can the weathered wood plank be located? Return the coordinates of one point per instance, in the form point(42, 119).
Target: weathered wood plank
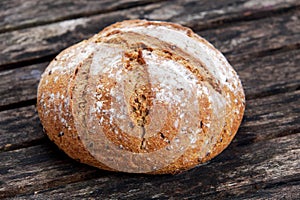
point(42, 172)
point(44, 41)
point(16, 14)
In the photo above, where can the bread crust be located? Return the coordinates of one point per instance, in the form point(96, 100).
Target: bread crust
point(141, 97)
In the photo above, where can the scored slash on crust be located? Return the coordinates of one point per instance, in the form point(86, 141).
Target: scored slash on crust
point(141, 97)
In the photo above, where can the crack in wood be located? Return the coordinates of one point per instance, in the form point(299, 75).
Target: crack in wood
point(18, 104)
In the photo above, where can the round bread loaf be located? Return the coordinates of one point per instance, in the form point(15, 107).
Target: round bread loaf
point(141, 97)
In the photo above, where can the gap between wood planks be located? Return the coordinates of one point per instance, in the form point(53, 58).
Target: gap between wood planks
point(19, 104)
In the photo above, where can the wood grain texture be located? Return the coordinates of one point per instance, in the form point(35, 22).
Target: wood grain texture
point(42, 173)
point(29, 44)
point(17, 14)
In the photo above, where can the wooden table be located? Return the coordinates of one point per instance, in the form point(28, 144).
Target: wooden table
point(260, 38)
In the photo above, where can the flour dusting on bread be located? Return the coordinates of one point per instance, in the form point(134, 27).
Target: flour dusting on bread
point(141, 97)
